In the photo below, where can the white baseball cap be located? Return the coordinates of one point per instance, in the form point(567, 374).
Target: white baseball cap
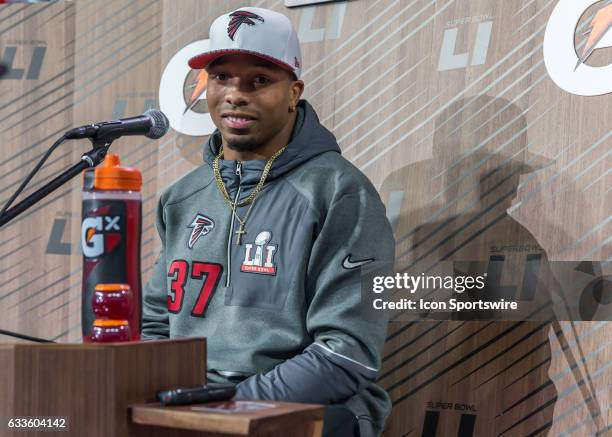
point(255, 31)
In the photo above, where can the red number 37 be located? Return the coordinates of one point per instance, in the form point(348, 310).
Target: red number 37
point(179, 269)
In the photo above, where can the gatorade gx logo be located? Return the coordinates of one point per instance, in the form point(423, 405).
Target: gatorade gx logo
point(182, 93)
point(100, 234)
point(565, 57)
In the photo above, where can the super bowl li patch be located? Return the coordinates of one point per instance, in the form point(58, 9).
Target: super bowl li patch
point(259, 256)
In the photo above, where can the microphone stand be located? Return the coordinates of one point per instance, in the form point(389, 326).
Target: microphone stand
point(88, 160)
point(25, 337)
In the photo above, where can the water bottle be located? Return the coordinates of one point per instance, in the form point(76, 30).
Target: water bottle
point(110, 237)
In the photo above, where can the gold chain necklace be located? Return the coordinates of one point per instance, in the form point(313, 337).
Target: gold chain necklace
point(250, 198)
point(257, 188)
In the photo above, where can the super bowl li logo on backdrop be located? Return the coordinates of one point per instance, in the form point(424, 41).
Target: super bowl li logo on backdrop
point(449, 58)
point(568, 45)
point(27, 71)
point(182, 93)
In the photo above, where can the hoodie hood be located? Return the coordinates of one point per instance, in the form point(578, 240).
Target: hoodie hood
point(309, 139)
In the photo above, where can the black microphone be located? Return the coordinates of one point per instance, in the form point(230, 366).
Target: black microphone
point(152, 124)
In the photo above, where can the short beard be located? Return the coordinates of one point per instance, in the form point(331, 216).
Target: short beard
point(242, 145)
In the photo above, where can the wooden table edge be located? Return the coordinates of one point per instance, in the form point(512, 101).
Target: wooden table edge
point(154, 414)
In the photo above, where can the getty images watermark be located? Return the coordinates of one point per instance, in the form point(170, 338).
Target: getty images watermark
point(535, 289)
point(406, 283)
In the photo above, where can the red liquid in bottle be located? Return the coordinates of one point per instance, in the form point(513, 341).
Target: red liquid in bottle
point(110, 331)
point(112, 301)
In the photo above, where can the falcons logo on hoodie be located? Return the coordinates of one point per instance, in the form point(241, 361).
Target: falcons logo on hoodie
point(238, 18)
point(201, 225)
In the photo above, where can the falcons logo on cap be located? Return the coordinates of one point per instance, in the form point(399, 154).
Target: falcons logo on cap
point(238, 18)
point(201, 225)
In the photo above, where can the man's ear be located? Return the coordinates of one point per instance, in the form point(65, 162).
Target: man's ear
point(296, 90)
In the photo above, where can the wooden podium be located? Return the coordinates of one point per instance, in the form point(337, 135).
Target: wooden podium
point(99, 387)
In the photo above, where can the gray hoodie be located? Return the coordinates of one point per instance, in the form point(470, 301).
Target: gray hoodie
point(281, 311)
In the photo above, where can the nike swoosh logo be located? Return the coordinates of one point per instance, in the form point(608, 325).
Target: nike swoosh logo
point(350, 264)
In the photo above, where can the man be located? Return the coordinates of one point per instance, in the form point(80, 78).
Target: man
point(263, 245)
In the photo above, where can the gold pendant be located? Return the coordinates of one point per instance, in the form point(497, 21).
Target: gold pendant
point(239, 233)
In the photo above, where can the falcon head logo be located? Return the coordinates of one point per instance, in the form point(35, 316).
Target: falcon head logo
point(201, 225)
point(241, 17)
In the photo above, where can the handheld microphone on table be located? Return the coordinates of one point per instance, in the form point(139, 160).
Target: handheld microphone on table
point(196, 395)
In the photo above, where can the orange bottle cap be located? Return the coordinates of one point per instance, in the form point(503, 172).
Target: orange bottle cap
point(106, 323)
point(111, 176)
point(112, 287)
